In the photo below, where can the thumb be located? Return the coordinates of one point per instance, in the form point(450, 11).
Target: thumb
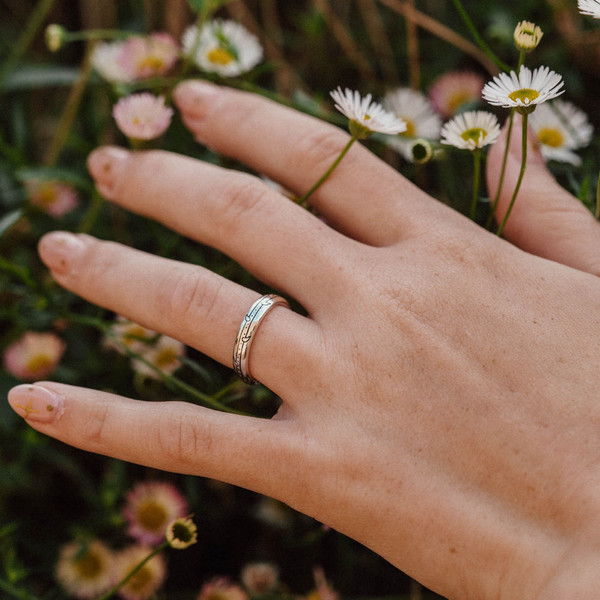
point(546, 220)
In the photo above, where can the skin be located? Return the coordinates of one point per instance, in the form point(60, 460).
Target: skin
point(439, 401)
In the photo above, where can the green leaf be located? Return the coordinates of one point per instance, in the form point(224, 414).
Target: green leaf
point(201, 5)
point(9, 220)
point(35, 76)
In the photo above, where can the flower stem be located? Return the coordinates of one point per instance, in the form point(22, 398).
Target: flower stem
point(99, 34)
point(302, 200)
point(471, 27)
point(92, 213)
point(476, 176)
point(521, 173)
point(503, 170)
point(522, 56)
point(133, 571)
point(597, 214)
point(40, 12)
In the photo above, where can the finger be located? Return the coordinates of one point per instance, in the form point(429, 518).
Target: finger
point(280, 243)
point(546, 220)
point(364, 197)
point(173, 436)
point(184, 301)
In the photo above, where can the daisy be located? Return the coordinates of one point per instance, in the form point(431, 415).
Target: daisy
point(150, 507)
point(260, 578)
point(220, 588)
point(223, 47)
point(146, 580)
point(52, 197)
point(418, 114)
point(106, 59)
point(181, 533)
point(366, 117)
point(590, 8)
point(527, 36)
point(471, 130)
point(165, 354)
point(149, 56)
point(34, 355)
point(129, 334)
point(452, 92)
point(525, 90)
point(142, 116)
point(85, 570)
point(561, 128)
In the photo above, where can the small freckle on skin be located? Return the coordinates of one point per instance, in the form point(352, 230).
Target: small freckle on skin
point(452, 550)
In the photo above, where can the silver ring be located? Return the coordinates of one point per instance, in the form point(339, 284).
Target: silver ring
point(245, 336)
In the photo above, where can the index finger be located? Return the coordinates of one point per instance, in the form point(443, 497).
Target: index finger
point(364, 197)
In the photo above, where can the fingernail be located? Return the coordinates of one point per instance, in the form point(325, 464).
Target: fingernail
point(105, 165)
point(58, 249)
point(36, 403)
point(194, 96)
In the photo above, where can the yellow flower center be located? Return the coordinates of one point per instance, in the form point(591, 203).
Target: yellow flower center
point(220, 56)
point(475, 134)
point(39, 362)
point(134, 333)
point(166, 357)
point(151, 515)
point(551, 137)
point(456, 100)
point(526, 95)
point(410, 131)
point(46, 195)
point(154, 64)
point(89, 566)
point(141, 580)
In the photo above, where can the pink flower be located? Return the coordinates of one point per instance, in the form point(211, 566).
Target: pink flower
point(142, 116)
point(260, 578)
point(53, 197)
point(221, 588)
point(455, 90)
point(146, 580)
point(149, 56)
point(34, 356)
point(323, 590)
point(150, 508)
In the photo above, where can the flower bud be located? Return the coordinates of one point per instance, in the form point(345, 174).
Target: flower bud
point(421, 151)
point(181, 533)
point(55, 36)
point(527, 36)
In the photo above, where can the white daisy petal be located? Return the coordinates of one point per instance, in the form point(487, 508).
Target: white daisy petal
point(590, 8)
point(561, 128)
point(369, 116)
point(525, 90)
point(471, 130)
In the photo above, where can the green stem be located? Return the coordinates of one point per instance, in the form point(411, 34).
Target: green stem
point(503, 170)
point(476, 176)
point(92, 213)
point(40, 12)
point(336, 162)
point(133, 571)
point(521, 61)
point(99, 34)
point(521, 173)
point(597, 214)
point(15, 592)
point(471, 27)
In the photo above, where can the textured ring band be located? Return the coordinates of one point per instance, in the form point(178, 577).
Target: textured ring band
point(245, 336)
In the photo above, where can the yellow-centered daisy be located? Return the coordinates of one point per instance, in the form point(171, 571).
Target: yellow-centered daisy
point(471, 130)
point(590, 8)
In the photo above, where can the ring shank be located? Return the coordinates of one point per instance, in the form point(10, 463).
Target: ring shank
point(245, 336)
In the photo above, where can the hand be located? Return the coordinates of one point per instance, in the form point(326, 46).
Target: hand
point(439, 402)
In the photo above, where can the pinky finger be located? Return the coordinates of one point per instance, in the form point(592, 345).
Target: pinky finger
point(172, 436)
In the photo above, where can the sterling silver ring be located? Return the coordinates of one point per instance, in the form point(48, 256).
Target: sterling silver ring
point(245, 336)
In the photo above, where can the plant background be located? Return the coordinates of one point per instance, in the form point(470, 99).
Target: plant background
point(49, 492)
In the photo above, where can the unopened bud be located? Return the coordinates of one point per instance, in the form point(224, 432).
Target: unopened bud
point(55, 36)
point(527, 36)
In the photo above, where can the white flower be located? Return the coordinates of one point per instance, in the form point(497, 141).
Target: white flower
point(590, 8)
point(471, 130)
point(366, 117)
point(164, 354)
point(106, 59)
point(525, 90)
point(223, 47)
point(527, 36)
point(418, 114)
point(142, 116)
point(561, 128)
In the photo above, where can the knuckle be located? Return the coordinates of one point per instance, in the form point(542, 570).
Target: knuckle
point(317, 150)
point(94, 428)
point(183, 440)
point(98, 259)
point(186, 298)
point(147, 166)
point(244, 195)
